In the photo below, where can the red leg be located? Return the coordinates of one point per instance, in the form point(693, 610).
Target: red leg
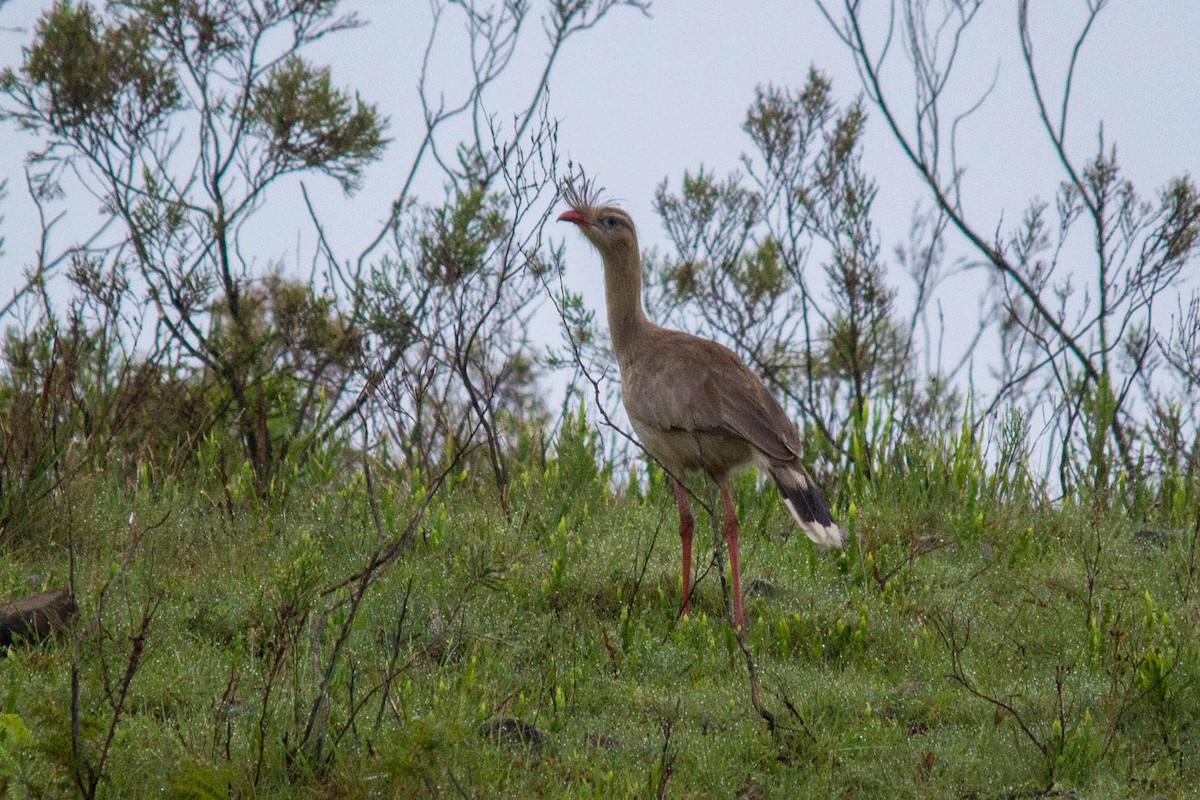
point(731, 541)
point(686, 526)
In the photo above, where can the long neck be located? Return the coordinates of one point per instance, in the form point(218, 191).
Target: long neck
point(623, 294)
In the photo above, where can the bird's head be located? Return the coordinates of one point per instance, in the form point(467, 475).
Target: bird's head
point(607, 227)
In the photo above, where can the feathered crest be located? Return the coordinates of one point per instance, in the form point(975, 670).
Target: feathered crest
point(581, 192)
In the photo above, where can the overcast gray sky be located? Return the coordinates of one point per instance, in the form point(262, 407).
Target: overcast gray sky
point(643, 98)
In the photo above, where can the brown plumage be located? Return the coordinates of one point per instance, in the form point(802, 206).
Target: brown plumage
point(693, 403)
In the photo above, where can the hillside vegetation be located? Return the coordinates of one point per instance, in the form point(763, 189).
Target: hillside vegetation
point(365, 633)
point(338, 524)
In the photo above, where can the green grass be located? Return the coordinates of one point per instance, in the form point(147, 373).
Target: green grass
point(970, 644)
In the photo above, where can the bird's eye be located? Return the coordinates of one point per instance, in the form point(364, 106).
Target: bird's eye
point(609, 222)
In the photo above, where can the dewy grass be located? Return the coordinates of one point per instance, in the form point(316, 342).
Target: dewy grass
point(968, 645)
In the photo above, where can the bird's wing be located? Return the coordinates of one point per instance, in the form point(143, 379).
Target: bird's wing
point(692, 384)
point(746, 408)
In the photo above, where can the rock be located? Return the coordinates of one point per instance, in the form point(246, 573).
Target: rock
point(761, 588)
point(507, 730)
point(36, 616)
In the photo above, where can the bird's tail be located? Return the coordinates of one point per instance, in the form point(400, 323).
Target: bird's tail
point(808, 507)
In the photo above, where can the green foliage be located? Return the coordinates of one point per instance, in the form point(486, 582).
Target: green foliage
point(285, 343)
point(81, 73)
point(452, 310)
point(113, 95)
point(460, 235)
point(974, 639)
point(198, 781)
point(65, 406)
point(309, 123)
point(71, 400)
point(15, 740)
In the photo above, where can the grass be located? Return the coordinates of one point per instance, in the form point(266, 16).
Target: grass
point(972, 643)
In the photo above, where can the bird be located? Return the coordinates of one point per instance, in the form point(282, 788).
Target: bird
point(693, 403)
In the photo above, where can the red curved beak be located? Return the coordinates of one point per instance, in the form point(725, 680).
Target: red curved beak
point(571, 215)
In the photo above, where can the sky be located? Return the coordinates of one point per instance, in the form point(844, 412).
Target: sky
point(642, 98)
